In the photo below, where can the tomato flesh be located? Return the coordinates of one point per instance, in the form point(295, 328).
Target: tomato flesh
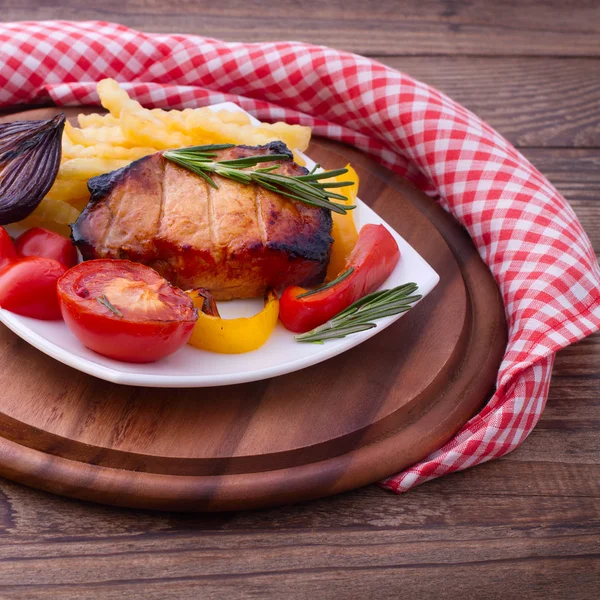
point(7, 248)
point(41, 242)
point(28, 287)
point(125, 311)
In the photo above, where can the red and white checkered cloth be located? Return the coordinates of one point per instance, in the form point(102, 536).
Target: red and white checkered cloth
point(524, 230)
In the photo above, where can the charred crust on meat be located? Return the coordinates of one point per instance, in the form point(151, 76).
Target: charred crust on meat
point(101, 185)
point(78, 237)
point(276, 147)
point(315, 247)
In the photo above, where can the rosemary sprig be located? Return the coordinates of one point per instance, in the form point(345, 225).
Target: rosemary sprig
point(360, 315)
point(328, 285)
point(108, 304)
point(309, 188)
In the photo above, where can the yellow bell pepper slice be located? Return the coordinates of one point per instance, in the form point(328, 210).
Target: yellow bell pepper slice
point(233, 336)
point(344, 231)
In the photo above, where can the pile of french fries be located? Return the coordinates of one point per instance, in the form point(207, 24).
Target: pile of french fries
point(103, 143)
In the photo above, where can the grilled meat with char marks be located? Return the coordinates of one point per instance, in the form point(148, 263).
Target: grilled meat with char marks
point(236, 241)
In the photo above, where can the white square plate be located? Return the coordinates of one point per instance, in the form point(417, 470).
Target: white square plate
point(190, 367)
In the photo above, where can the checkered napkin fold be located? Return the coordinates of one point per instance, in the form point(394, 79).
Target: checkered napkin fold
point(524, 230)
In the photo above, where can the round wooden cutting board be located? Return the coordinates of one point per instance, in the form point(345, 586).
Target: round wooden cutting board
point(344, 423)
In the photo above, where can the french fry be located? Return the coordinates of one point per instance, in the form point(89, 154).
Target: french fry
point(210, 130)
point(115, 99)
point(139, 131)
point(105, 150)
point(52, 214)
point(66, 190)
point(89, 137)
point(229, 116)
point(69, 149)
point(84, 168)
point(296, 137)
point(95, 120)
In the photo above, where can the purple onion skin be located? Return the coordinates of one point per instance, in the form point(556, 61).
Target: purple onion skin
point(30, 154)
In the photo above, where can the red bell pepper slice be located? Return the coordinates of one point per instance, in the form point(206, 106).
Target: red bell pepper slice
point(371, 262)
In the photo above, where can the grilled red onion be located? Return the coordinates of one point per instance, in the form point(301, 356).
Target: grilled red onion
point(29, 160)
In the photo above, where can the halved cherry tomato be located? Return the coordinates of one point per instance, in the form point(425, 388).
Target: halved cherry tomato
point(41, 242)
point(28, 287)
point(371, 262)
point(125, 310)
point(7, 248)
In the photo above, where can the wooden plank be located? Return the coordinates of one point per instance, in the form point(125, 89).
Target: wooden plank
point(479, 27)
point(581, 360)
point(288, 559)
point(574, 398)
point(427, 543)
point(189, 557)
point(543, 578)
point(530, 101)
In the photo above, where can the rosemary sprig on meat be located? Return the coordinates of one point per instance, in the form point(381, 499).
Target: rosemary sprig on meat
point(360, 315)
point(310, 188)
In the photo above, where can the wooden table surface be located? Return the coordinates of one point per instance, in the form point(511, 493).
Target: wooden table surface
point(525, 526)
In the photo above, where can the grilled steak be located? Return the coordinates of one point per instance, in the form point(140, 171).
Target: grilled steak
point(236, 241)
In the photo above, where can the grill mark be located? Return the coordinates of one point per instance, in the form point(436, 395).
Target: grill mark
point(259, 217)
point(161, 209)
point(211, 219)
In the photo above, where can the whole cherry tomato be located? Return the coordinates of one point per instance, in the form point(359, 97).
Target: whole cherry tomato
point(125, 310)
point(28, 287)
point(41, 242)
point(373, 259)
point(7, 248)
